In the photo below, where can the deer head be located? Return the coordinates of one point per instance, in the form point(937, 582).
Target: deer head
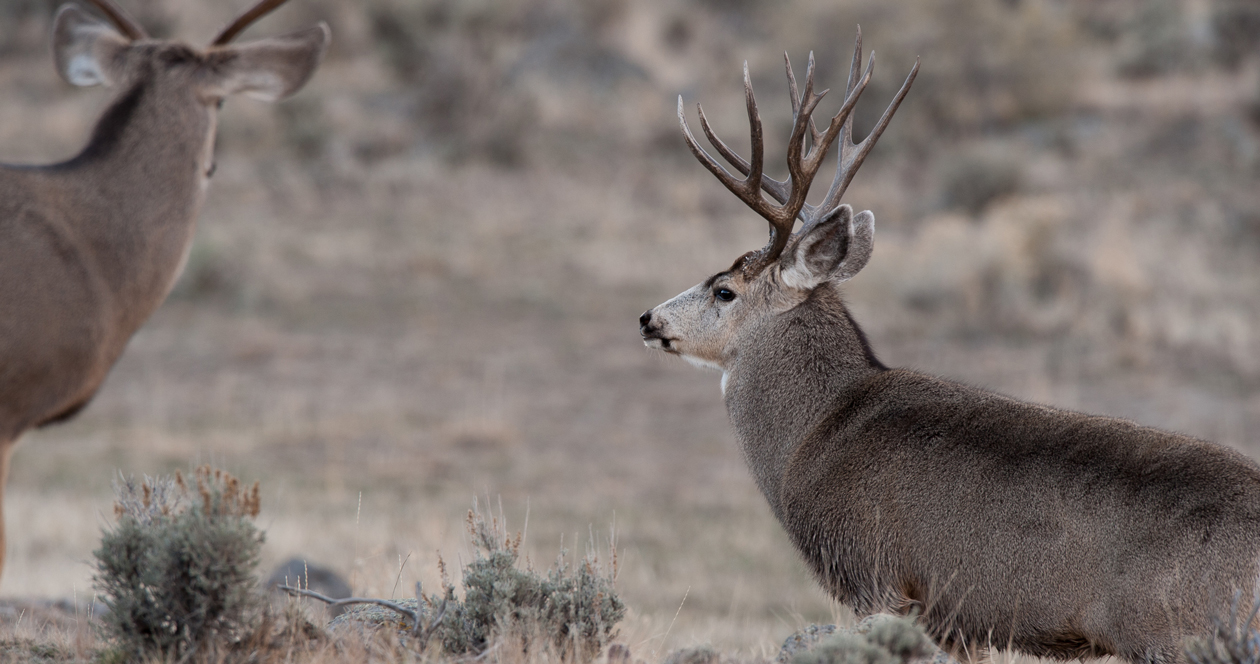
point(705, 324)
point(119, 54)
point(151, 155)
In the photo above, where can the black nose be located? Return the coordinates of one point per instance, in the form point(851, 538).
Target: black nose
point(645, 318)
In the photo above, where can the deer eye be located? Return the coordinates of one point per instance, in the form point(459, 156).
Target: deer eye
point(724, 294)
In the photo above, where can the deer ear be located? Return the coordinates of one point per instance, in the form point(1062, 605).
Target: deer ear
point(833, 249)
point(86, 50)
point(861, 232)
point(269, 69)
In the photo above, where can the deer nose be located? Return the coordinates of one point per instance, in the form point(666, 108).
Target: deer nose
point(646, 318)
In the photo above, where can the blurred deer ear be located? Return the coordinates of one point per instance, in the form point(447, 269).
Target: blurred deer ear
point(269, 69)
point(833, 249)
point(86, 50)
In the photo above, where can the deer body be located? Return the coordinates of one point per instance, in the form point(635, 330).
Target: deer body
point(1001, 523)
point(71, 250)
point(1056, 533)
point(90, 247)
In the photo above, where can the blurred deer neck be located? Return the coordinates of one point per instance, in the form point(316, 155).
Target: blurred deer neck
point(145, 160)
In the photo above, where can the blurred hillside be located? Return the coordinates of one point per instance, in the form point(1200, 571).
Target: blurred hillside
point(419, 278)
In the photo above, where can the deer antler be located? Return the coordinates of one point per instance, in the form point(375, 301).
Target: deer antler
point(802, 164)
point(253, 14)
point(847, 167)
point(124, 23)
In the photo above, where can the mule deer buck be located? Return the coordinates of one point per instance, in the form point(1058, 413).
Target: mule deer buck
point(90, 247)
point(1001, 523)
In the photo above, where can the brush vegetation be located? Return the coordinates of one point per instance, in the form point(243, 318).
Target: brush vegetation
point(571, 612)
point(177, 571)
point(573, 609)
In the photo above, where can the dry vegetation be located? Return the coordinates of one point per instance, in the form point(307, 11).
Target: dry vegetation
point(418, 280)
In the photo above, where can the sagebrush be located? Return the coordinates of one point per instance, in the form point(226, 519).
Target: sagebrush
point(892, 640)
point(572, 611)
point(177, 571)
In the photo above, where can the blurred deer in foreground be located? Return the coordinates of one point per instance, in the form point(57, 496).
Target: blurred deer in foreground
point(91, 246)
point(1002, 523)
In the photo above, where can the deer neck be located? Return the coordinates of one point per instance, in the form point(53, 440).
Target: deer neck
point(138, 186)
point(790, 372)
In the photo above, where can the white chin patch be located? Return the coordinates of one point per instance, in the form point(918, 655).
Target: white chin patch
point(725, 376)
point(703, 364)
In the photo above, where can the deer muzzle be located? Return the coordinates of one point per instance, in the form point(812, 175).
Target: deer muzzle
point(652, 333)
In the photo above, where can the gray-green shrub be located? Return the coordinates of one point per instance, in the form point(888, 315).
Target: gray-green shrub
point(177, 571)
point(889, 641)
point(575, 609)
point(572, 611)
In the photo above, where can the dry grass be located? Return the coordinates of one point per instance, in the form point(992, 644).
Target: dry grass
point(418, 280)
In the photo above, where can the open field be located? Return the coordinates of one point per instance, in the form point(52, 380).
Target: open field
point(418, 281)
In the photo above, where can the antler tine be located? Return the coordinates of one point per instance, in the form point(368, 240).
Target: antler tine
point(756, 169)
point(749, 188)
point(855, 64)
point(803, 117)
point(803, 165)
point(777, 189)
point(129, 27)
point(842, 123)
point(796, 101)
point(249, 16)
point(850, 156)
